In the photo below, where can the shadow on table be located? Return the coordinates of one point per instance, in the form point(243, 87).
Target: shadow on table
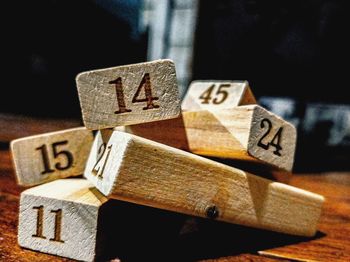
point(139, 233)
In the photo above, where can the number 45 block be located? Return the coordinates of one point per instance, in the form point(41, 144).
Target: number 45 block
point(213, 95)
point(128, 94)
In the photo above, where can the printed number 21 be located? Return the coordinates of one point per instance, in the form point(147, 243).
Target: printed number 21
point(146, 84)
point(100, 165)
point(276, 140)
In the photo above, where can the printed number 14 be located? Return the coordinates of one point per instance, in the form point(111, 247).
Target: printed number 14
point(146, 84)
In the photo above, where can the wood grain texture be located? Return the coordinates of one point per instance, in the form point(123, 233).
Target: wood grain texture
point(149, 173)
point(61, 218)
point(228, 133)
point(214, 94)
point(332, 242)
point(42, 158)
point(107, 96)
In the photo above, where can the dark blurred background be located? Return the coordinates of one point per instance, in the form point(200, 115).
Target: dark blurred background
point(294, 53)
point(47, 43)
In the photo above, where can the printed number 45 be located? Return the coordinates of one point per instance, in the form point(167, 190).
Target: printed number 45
point(220, 95)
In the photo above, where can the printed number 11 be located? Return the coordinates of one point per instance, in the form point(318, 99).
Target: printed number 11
point(40, 224)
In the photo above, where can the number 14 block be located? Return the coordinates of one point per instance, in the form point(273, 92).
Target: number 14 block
point(130, 94)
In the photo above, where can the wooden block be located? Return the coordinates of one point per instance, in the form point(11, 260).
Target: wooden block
point(248, 133)
point(257, 168)
point(61, 218)
point(212, 95)
point(138, 170)
point(46, 157)
point(129, 94)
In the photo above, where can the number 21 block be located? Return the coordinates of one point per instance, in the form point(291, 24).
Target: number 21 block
point(61, 218)
point(130, 168)
point(129, 94)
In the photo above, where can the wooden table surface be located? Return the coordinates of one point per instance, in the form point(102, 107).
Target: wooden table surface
point(147, 234)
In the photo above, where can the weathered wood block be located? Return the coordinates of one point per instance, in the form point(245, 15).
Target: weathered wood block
point(129, 94)
point(243, 133)
point(212, 95)
point(138, 170)
point(61, 218)
point(46, 157)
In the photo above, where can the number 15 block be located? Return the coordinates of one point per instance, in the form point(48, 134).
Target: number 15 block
point(42, 158)
point(130, 94)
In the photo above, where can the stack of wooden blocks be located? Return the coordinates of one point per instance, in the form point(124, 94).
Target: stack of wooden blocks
point(146, 151)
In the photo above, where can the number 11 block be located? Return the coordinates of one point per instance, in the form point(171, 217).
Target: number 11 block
point(61, 218)
point(130, 94)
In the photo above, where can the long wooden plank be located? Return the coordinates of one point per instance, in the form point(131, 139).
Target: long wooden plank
point(244, 133)
point(129, 94)
point(138, 170)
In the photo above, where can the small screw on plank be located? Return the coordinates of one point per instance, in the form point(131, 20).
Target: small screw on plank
point(212, 212)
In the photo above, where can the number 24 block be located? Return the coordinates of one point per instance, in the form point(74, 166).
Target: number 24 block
point(242, 133)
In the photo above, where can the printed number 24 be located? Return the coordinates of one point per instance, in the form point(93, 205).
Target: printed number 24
point(276, 140)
